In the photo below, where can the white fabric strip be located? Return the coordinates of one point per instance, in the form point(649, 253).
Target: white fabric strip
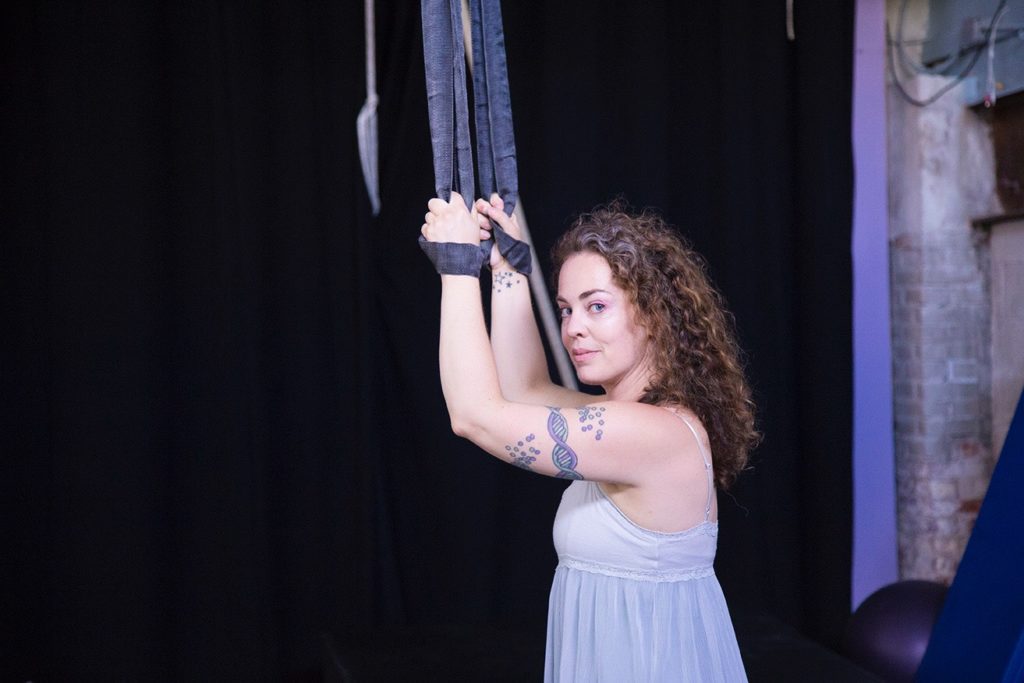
point(366, 122)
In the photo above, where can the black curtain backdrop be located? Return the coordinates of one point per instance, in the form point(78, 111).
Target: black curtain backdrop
point(223, 430)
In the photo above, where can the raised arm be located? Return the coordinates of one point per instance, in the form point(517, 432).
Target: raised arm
point(567, 442)
point(518, 350)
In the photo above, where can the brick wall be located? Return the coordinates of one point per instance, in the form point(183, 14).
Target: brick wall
point(941, 177)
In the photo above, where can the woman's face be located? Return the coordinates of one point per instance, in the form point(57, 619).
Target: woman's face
point(599, 328)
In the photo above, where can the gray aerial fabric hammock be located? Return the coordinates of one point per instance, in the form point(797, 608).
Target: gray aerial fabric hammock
point(366, 122)
point(444, 58)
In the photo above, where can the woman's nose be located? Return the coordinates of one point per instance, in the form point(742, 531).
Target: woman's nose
point(574, 325)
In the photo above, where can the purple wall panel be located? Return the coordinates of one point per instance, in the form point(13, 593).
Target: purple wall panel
point(875, 561)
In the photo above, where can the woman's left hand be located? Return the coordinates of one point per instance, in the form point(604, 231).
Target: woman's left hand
point(451, 221)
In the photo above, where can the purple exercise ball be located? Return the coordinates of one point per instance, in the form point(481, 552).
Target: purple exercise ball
point(888, 634)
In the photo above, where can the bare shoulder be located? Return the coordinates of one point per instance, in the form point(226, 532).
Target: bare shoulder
point(691, 424)
point(660, 422)
point(666, 447)
point(673, 492)
point(651, 437)
point(632, 418)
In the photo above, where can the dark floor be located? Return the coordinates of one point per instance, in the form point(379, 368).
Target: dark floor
point(772, 651)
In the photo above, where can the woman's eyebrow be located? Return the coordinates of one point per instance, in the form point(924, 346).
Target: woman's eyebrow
point(583, 295)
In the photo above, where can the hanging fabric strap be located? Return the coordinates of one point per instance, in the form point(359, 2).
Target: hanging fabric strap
point(496, 145)
point(445, 68)
point(448, 111)
point(495, 140)
point(447, 104)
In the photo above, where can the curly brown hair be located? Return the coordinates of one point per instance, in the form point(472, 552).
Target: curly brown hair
point(697, 361)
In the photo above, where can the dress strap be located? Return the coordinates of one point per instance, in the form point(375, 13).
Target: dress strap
point(708, 468)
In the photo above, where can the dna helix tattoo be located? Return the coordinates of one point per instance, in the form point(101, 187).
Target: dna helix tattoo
point(562, 455)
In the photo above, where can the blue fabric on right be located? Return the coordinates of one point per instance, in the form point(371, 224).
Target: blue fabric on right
point(980, 632)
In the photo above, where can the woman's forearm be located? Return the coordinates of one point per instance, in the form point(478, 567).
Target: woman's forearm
point(469, 379)
point(515, 338)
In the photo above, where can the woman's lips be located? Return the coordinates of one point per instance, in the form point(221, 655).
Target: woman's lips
point(579, 355)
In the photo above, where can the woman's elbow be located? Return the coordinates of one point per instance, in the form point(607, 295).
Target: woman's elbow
point(465, 422)
point(461, 422)
point(459, 427)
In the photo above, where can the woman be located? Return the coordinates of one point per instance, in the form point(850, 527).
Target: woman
point(634, 597)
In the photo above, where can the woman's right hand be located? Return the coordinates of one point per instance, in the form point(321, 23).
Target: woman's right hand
point(495, 210)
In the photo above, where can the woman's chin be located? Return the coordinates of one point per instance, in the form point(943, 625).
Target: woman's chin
point(587, 376)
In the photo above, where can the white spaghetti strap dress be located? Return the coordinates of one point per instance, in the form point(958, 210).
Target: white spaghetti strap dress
point(630, 604)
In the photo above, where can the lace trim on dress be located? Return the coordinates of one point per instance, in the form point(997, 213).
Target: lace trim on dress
point(653, 575)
